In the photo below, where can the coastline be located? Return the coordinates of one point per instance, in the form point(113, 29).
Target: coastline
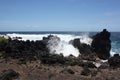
point(32, 60)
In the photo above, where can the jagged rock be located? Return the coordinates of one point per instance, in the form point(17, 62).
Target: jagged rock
point(114, 61)
point(85, 50)
point(71, 60)
point(8, 75)
point(48, 37)
point(101, 44)
point(32, 50)
point(53, 41)
point(23, 49)
point(82, 47)
point(52, 58)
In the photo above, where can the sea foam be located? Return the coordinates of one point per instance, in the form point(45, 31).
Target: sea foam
point(55, 45)
point(59, 46)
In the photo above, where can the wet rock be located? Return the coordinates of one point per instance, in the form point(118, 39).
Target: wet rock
point(17, 38)
point(114, 61)
point(8, 75)
point(48, 37)
point(82, 47)
point(101, 44)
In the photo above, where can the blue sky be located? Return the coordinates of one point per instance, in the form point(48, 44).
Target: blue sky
point(59, 15)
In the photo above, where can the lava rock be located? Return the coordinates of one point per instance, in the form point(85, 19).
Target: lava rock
point(48, 58)
point(8, 75)
point(82, 47)
point(101, 44)
point(67, 70)
point(87, 64)
point(48, 37)
point(86, 72)
point(104, 65)
point(114, 61)
point(70, 71)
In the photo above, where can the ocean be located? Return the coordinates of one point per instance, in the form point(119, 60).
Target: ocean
point(65, 37)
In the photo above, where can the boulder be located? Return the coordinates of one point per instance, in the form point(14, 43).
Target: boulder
point(114, 61)
point(67, 70)
point(82, 47)
point(8, 75)
point(85, 50)
point(101, 44)
point(48, 37)
point(88, 64)
point(86, 71)
point(104, 65)
point(47, 58)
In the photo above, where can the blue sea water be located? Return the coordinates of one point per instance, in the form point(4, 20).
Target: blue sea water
point(115, 37)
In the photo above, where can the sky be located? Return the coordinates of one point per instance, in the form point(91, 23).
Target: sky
point(59, 15)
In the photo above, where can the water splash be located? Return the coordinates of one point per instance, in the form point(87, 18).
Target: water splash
point(57, 46)
point(59, 43)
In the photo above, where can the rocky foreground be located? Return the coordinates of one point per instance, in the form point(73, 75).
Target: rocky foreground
point(35, 70)
point(31, 60)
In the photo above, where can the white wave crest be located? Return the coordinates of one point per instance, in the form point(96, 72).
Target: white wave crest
point(113, 52)
point(86, 39)
point(63, 45)
point(31, 37)
point(64, 37)
point(57, 45)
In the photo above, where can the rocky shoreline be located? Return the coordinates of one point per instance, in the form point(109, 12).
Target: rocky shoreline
point(32, 60)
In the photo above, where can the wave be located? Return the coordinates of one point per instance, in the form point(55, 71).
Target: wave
point(84, 38)
point(31, 37)
point(62, 45)
point(57, 46)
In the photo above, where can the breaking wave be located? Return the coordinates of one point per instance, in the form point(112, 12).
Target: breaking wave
point(62, 45)
point(57, 45)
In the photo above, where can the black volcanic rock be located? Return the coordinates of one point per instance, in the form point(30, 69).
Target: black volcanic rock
point(82, 47)
point(86, 71)
point(48, 37)
point(48, 58)
point(87, 64)
point(23, 49)
point(114, 61)
point(8, 75)
point(38, 50)
point(101, 44)
point(85, 50)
